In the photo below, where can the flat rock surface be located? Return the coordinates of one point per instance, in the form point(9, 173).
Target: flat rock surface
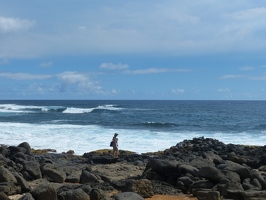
point(118, 171)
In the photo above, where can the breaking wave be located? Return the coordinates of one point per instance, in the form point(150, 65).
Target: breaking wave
point(14, 108)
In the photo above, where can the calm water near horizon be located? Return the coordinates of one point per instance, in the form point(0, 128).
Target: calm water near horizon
point(143, 126)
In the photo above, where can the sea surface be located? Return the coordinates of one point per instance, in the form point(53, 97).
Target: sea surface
point(143, 126)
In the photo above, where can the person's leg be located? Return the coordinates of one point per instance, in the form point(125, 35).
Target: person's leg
point(115, 152)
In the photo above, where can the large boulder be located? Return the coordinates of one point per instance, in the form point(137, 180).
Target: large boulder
point(33, 169)
point(4, 151)
point(88, 177)
point(26, 146)
point(210, 173)
point(6, 175)
point(165, 167)
point(210, 155)
point(77, 194)
point(242, 171)
point(9, 188)
point(14, 149)
point(231, 190)
point(25, 187)
point(230, 176)
point(184, 169)
point(53, 173)
point(201, 184)
point(44, 192)
point(71, 191)
point(199, 162)
point(106, 159)
point(98, 194)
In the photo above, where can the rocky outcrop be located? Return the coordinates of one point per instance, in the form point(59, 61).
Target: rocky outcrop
point(204, 167)
point(207, 167)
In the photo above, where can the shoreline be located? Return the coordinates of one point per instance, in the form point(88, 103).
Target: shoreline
point(201, 166)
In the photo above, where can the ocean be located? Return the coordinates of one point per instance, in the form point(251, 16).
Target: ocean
point(143, 126)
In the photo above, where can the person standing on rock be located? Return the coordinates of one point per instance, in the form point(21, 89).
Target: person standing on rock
point(115, 146)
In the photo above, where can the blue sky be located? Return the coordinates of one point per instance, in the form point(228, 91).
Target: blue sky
point(114, 49)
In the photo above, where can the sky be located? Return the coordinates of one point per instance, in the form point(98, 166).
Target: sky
point(141, 49)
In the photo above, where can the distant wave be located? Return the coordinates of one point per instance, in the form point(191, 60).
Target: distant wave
point(77, 110)
point(159, 124)
point(14, 108)
point(108, 107)
point(88, 110)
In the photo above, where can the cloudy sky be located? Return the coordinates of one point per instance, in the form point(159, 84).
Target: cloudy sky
point(116, 49)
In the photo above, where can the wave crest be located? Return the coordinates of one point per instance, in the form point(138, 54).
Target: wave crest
point(14, 108)
point(160, 124)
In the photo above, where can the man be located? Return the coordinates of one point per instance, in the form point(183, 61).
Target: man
point(115, 146)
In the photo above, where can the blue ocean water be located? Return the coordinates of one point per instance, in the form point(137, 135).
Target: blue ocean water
point(143, 126)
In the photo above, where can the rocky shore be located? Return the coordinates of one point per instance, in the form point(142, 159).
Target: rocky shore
point(204, 168)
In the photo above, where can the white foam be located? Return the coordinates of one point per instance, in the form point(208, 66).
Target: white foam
point(78, 110)
point(108, 107)
point(14, 108)
point(86, 138)
point(72, 110)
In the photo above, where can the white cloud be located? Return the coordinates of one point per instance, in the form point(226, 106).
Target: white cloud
point(83, 81)
point(224, 90)
point(168, 28)
point(46, 64)
point(154, 71)
point(112, 66)
point(14, 24)
point(231, 77)
point(256, 78)
point(114, 91)
point(24, 76)
point(178, 91)
point(249, 13)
